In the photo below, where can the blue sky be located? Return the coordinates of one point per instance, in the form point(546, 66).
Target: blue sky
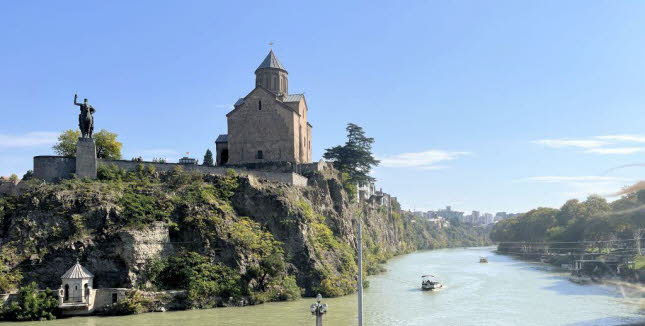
point(489, 105)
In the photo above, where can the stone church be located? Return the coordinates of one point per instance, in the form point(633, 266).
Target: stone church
point(268, 124)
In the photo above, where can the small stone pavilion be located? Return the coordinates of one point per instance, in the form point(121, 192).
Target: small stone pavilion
point(77, 296)
point(76, 287)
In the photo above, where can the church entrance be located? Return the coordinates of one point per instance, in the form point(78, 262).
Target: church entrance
point(224, 157)
point(66, 296)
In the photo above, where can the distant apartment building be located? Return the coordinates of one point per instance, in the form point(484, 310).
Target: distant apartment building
point(487, 218)
point(448, 213)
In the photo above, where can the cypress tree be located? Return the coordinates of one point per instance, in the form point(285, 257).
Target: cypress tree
point(208, 158)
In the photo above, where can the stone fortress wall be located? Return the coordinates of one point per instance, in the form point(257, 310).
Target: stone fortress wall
point(53, 168)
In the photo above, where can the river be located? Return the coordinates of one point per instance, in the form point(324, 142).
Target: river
point(505, 291)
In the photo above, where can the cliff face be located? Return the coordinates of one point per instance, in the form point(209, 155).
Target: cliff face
point(119, 226)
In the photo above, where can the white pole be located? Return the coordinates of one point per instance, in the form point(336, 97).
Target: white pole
point(360, 272)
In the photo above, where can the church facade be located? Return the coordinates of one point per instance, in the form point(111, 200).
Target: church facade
point(268, 124)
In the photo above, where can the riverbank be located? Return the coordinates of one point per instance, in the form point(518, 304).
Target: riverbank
point(504, 292)
point(633, 272)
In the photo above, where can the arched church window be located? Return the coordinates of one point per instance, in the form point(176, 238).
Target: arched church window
point(259, 105)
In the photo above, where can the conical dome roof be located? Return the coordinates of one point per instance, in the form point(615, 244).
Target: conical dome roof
point(271, 62)
point(77, 271)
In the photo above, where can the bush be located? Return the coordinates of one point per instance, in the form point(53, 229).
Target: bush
point(134, 303)
point(8, 279)
point(32, 304)
point(143, 205)
point(282, 289)
point(110, 172)
point(204, 281)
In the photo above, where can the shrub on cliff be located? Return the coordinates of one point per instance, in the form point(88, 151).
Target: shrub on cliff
point(32, 304)
point(134, 303)
point(205, 282)
point(143, 205)
point(9, 279)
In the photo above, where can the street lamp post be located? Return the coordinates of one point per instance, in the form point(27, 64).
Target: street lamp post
point(360, 272)
point(318, 309)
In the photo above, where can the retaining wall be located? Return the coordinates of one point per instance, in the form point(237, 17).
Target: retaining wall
point(288, 177)
point(54, 168)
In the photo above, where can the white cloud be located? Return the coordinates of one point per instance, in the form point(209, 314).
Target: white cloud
point(422, 160)
point(560, 143)
point(603, 145)
point(30, 139)
point(570, 179)
point(616, 150)
point(624, 138)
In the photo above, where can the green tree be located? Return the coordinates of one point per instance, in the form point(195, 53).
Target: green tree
point(355, 157)
point(32, 304)
point(208, 158)
point(67, 141)
point(107, 146)
point(28, 175)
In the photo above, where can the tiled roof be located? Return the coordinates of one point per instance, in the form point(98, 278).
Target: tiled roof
point(293, 97)
point(77, 271)
point(222, 139)
point(271, 62)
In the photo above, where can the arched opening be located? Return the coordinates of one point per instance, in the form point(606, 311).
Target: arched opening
point(259, 105)
point(66, 296)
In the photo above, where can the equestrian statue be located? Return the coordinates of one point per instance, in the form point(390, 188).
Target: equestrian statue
point(85, 118)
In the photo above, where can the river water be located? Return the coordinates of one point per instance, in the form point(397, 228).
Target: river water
point(505, 291)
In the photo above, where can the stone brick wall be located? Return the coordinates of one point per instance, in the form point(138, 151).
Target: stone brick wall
point(288, 178)
point(53, 168)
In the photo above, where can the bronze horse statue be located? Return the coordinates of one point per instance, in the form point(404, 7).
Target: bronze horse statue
point(85, 118)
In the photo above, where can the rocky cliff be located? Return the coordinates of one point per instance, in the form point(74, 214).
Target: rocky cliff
point(125, 225)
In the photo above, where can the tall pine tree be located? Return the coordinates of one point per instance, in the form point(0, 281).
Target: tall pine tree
point(208, 158)
point(355, 157)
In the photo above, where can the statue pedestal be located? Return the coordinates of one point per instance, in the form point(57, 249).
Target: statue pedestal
point(86, 161)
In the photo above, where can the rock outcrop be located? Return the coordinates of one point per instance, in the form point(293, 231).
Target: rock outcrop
point(116, 228)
